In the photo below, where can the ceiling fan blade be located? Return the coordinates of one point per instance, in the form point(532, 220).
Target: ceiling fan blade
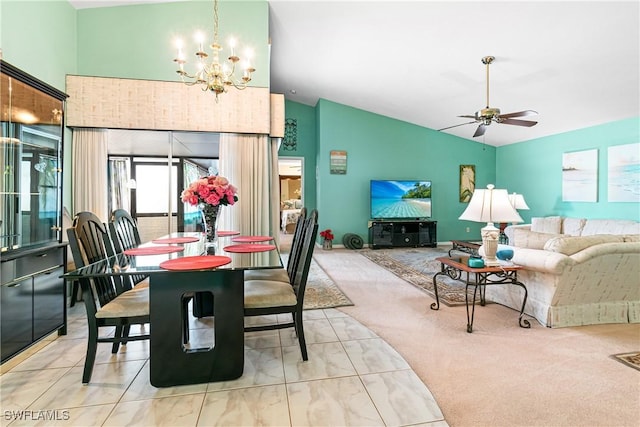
point(480, 131)
point(455, 126)
point(518, 114)
point(468, 117)
point(517, 122)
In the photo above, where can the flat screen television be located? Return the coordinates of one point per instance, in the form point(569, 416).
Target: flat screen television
point(400, 199)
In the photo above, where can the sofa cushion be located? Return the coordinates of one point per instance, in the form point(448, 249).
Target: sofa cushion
point(573, 226)
point(610, 226)
point(631, 237)
point(570, 245)
point(531, 239)
point(548, 224)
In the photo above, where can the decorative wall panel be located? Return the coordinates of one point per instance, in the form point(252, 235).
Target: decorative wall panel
point(103, 102)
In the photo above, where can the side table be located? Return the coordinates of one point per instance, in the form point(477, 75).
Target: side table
point(457, 269)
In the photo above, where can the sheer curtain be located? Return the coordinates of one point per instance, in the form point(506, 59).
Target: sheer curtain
point(248, 161)
point(89, 171)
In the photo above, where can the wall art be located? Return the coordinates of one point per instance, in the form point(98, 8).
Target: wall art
point(580, 176)
point(467, 182)
point(624, 173)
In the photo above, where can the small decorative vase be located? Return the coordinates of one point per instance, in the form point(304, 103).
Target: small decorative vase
point(210, 218)
point(327, 245)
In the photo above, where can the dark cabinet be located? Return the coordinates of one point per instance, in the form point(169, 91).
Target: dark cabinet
point(388, 234)
point(32, 297)
point(32, 255)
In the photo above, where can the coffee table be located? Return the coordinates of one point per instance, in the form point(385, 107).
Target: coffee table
point(479, 278)
point(467, 246)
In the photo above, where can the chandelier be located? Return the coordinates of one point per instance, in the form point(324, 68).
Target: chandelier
point(215, 76)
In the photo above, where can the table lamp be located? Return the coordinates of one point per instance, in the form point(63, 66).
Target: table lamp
point(490, 206)
point(517, 201)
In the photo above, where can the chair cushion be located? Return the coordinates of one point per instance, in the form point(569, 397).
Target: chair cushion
point(277, 274)
point(268, 293)
point(128, 304)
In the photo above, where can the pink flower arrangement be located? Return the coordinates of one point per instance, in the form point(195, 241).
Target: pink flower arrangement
point(211, 191)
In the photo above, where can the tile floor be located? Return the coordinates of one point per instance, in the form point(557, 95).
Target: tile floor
point(352, 378)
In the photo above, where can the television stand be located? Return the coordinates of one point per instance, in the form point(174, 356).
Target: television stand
point(402, 233)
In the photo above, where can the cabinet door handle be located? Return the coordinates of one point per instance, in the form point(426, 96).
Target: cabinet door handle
point(14, 285)
point(42, 255)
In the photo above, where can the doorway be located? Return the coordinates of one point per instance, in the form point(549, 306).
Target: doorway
point(291, 173)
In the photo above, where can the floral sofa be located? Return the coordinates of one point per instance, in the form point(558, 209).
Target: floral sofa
point(577, 271)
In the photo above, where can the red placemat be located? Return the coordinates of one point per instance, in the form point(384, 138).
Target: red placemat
point(153, 250)
point(228, 233)
point(176, 240)
point(195, 262)
point(247, 247)
point(249, 239)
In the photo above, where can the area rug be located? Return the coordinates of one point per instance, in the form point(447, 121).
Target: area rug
point(629, 359)
point(418, 266)
point(321, 291)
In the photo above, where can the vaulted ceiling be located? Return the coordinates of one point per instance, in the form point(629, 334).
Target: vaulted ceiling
point(576, 63)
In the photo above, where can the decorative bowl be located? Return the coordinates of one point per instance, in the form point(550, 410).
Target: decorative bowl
point(504, 254)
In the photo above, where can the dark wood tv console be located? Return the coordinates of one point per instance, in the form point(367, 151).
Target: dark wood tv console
point(402, 233)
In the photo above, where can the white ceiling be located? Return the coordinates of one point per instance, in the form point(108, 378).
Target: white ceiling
point(576, 63)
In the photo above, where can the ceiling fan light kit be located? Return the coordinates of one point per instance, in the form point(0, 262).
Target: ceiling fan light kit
point(489, 114)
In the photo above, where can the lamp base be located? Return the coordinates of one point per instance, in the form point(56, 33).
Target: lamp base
point(490, 237)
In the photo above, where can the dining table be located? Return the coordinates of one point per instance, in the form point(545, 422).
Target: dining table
point(189, 267)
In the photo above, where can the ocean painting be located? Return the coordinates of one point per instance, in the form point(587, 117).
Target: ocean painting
point(624, 173)
point(400, 199)
point(580, 176)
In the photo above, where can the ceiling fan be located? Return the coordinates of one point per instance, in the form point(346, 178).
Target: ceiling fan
point(488, 114)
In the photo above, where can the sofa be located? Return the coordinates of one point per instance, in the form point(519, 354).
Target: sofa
point(577, 271)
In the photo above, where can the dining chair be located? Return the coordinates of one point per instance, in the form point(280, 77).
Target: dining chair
point(109, 301)
point(124, 234)
point(284, 274)
point(267, 297)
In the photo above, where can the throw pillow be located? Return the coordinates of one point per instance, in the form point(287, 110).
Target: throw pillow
point(548, 224)
point(531, 239)
point(573, 226)
point(570, 245)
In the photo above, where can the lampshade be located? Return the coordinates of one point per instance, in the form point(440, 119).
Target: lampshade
point(517, 201)
point(490, 205)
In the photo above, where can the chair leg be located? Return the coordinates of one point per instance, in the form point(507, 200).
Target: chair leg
point(90, 358)
point(300, 332)
point(125, 334)
point(117, 336)
point(74, 292)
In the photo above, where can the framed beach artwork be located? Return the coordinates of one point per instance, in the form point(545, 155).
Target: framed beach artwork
point(467, 182)
point(580, 176)
point(624, 173)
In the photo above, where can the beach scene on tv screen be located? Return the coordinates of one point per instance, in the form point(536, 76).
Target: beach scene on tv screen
point(400, 199)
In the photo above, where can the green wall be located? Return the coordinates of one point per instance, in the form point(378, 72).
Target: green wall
point(534, 169)
point(113, 42)
point(379, 147)
point(306, 136)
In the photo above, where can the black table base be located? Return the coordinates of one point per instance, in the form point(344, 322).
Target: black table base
point(171, 363)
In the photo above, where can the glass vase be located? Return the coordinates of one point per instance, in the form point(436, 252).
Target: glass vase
point(327, 244)
point(210, 220)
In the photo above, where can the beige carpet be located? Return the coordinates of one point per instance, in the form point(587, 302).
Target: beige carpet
point(418, 266)
point(501, 374)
